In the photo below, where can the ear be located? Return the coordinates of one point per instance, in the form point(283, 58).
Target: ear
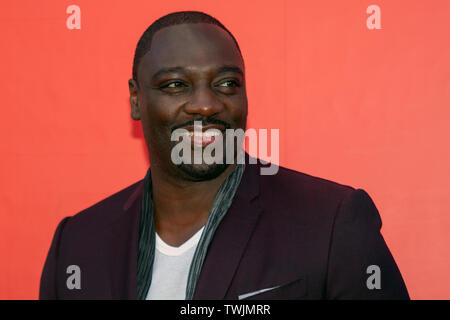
point(134, 99)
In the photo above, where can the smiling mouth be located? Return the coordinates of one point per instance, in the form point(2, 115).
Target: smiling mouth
point(203, 136)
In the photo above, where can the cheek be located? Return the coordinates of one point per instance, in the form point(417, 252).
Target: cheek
point(157, 112)
point(239, 112)
point(157, 121)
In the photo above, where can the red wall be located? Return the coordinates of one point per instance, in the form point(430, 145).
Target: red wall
point(367, 108)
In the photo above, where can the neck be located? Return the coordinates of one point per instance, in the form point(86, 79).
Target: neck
point(181, 204)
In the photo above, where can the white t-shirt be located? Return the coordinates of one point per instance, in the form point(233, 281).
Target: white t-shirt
point(171, 268)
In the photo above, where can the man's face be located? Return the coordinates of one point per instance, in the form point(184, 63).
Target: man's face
point(193, 72)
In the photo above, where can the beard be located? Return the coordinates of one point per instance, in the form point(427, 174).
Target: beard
point(202, 172)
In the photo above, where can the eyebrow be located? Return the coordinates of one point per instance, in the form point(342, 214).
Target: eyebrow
point(221, 69)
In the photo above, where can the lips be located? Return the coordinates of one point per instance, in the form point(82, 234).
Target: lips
point(203, 135)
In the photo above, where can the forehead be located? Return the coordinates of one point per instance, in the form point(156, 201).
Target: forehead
point(197, 46)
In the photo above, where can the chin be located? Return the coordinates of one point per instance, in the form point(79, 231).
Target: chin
point(201, 172)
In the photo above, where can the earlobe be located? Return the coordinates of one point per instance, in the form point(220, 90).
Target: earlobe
point(135, 110)
point(134, 100)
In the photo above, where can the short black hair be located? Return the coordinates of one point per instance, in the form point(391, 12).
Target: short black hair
point(172, 19)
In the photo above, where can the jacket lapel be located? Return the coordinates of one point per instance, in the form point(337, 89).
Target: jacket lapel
point(230, 239)
point(124, 234)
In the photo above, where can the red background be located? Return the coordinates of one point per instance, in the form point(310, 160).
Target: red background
point(367, 108)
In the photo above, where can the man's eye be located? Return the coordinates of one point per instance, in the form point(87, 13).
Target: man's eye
point(174, 84)
point(229, 83)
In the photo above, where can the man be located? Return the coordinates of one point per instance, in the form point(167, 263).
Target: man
point(218, 230)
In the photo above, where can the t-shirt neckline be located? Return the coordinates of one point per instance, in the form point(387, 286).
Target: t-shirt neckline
point(167, 249)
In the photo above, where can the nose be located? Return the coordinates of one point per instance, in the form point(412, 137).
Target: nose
point(204, 101)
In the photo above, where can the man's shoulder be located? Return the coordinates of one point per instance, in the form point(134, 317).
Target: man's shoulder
point(108, 210)
point(289, 180)
point(290, 193)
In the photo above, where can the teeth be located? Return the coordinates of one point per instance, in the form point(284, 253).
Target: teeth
point(206, 134)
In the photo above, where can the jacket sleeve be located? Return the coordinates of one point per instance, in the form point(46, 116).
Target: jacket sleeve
point(47, 288)
point(360, 265)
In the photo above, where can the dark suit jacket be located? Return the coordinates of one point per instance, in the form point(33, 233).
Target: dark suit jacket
point(299, 236)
